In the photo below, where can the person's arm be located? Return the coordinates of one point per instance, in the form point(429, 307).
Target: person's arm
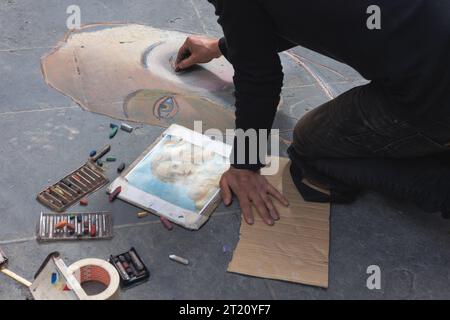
point(251, 44)
point(282, 44)
point(252, 48)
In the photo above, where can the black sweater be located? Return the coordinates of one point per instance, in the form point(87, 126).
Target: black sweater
point(409, 57)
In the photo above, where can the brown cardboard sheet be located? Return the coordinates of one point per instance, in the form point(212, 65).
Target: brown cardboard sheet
point(296, 248)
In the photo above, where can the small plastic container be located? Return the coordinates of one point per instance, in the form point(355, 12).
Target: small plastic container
point(131, 268)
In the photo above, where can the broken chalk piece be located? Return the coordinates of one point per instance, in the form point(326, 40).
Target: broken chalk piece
point(114, 194)
point(84, 202)
point(126, 127)
point(121, 168)
point(100, 163)
point(113, 132)
point(111, 159)
point(142, 214)
point(102, 152)
point(179, 259)
point(93, 153)
point(166, 223)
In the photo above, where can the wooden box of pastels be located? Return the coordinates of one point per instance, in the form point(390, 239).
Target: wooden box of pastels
point(73, 187)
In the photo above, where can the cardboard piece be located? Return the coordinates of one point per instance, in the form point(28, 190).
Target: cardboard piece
point(296, 248)
point(51, 280)
point(55, 281)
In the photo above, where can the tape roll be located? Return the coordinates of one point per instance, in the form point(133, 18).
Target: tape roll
point(97, 270)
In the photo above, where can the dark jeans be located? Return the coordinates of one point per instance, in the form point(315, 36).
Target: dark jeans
point(357, 141)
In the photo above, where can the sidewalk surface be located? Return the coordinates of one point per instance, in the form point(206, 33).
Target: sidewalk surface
point(45, 135)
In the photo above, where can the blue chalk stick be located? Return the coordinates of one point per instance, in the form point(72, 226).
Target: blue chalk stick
point(54, 277)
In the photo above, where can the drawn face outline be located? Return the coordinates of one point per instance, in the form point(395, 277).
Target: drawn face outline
point(119, 69)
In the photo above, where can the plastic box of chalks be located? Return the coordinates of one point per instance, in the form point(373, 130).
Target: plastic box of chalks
point(177, 177)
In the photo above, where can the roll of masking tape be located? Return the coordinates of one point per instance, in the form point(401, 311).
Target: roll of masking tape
point(97, 270)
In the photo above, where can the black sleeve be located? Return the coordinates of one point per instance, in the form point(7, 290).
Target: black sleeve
point(223, 47)
point(251, 47)
point(281, 44)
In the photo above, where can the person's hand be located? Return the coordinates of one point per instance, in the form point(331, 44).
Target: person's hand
point(197, 50)
point(251, 188)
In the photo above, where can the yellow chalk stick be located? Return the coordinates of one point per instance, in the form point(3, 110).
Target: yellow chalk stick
point(142, 214)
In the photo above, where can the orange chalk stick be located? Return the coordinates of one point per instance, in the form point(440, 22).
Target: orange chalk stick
point(61, 225)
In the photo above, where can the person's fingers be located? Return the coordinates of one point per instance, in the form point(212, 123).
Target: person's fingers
point(272, 210)
point(225, 191)
point(183, 51)
point(277, 195)
point(188, 62)
point(246, 208)
point(259, 204)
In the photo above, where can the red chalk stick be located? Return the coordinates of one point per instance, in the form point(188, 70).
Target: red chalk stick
point(166, 223)
point(84, 202)
point(114, 194)
point(93, 230)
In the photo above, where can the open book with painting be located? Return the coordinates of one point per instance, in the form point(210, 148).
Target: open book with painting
point(177, 177)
